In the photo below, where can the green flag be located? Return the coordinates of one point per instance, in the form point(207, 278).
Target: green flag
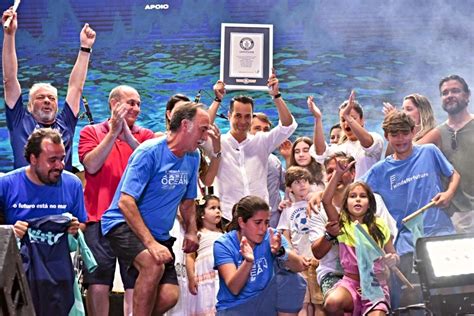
point(367, 253)
point(415, 226)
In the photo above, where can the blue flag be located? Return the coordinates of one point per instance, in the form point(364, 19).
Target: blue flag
point(366, 255)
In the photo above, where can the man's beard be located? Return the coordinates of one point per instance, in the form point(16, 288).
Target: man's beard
point(45, 117)
point(47, 179)
point(460, 106)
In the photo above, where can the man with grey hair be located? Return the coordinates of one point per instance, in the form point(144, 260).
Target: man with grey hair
point(104, 150)
point(43, 98)
point(160, 175)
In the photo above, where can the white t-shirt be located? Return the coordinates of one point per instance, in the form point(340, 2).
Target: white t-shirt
point(364, 157)
point(294, 219)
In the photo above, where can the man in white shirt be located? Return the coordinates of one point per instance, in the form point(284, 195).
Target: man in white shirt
point(244, 163)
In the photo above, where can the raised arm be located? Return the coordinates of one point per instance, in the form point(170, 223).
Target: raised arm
point(359, 131)
point(11, 85)
point(210, 173)
point(284, 114)
point(318, 132)
point(79, 71)
point(328, 194)
point(219, 92)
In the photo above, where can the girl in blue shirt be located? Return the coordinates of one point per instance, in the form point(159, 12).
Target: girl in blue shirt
point(248, 259)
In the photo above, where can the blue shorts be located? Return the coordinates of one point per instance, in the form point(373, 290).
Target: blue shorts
point(285, 293)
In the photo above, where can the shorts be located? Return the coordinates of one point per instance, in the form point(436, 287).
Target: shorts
point(328, 281)
point(106, 260)
point(127, 246)
point(284, 293)
point(313, 293)
point(364, 306)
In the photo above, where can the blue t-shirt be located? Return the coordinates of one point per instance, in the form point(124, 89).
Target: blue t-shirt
point(158, 180)
point(407, 185)
point(21, 124)
point(21, 199)
point(47, 263)
point(227, 250)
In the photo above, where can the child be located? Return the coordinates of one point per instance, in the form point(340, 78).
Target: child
point(408, 180)
point(358, 205)
point(335, 134)
point(366, 147)
point(295, 227)
point(203, 281)
point(301, 157)
point(248, 258)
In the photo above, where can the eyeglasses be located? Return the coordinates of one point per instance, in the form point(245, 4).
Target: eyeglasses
point(454, 142)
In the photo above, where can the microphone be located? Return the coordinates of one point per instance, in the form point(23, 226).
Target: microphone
point(88, 110)
point(197, 99)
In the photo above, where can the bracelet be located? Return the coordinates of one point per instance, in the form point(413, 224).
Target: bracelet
point(86, 49)
point(217, 99)
point(276, 96)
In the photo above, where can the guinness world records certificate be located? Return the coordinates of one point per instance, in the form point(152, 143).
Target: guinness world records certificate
point(246, 55)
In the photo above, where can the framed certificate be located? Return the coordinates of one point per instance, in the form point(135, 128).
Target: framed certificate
point(246, 55)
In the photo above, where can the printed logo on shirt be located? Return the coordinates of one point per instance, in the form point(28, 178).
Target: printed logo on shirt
point(40, 237)
point(299, 220)
point(174, 178)
point(394, 183)
point(259, 266)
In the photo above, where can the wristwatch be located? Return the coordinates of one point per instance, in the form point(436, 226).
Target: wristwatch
point(216, 155)
point(281, 254)
point(330, 237)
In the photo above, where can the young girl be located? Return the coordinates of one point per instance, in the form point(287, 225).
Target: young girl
point(358, 205)
point(203, 282)
point(250, 280)
point(301, 157)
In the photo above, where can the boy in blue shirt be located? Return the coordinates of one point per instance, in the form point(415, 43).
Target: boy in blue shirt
point(410, 179)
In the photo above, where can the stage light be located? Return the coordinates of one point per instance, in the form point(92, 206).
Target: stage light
point(445, 265)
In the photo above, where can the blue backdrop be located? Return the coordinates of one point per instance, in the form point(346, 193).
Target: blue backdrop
point(382, 49)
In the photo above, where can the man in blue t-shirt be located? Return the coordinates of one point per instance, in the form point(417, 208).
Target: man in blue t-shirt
point(43, 98)
point(40, 189)
point(408, 180)
point(161, 176)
